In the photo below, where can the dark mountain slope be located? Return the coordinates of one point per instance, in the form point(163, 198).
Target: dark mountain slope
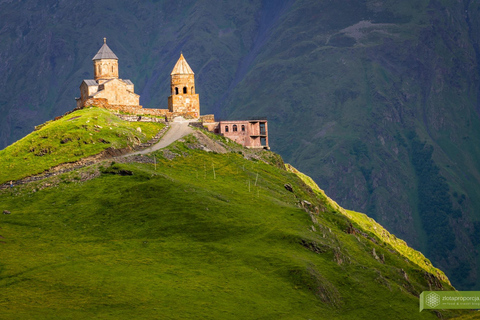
point(377, 101)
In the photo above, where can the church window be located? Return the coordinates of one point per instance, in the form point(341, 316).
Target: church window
point(234, 127)
point(226, 128)
point(176, 90)
point(192, 91)
point(184, 90)
point(243, 127)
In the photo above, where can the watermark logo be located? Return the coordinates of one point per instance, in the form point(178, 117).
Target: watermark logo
point(432, 300)
point(450, 300)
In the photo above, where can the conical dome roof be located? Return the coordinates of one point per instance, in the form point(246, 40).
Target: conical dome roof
point(182, 67)
point(105, 52)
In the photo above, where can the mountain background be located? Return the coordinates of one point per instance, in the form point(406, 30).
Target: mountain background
point(378, 101)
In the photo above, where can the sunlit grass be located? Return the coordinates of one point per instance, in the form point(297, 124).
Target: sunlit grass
point(80, 134)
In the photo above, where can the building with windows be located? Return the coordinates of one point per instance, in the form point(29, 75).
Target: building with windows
point(249, 133)
point(108, 91)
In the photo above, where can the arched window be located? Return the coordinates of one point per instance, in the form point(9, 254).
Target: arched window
point(234, 127)
point(192, 91)
point(243, 127)
point(176, 90)
point(112, 69)
point(226, 128)
point(184, 90)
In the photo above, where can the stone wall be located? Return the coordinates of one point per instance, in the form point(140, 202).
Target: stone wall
point(135, 118)
point(169, 116)
point(207, 118)
point(184, 103)
point(117, 92)
point(135, 109)
point(140, 111)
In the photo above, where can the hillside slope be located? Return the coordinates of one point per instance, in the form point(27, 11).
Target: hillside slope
point(200, 234)
point(376, 100)
point(80, 134)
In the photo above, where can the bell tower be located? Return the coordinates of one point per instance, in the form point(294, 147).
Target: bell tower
point(182, 88)
point(105, 64)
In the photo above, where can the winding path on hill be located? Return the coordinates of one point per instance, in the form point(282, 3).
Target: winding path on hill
point(178, 129)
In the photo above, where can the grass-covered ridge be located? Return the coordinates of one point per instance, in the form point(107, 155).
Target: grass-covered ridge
point(371, 226)
point(80, 134)
point(202, 236)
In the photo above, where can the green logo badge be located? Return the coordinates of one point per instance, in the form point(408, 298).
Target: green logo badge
point(450, 300)
point(432, 300)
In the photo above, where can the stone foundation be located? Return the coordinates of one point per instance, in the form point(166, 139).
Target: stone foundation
point(135, 118)
point(207, 118)
point(136, 111)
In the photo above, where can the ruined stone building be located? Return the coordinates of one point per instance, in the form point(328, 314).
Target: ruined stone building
point(108, 91)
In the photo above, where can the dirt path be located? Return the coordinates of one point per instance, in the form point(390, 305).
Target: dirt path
point(178, 129)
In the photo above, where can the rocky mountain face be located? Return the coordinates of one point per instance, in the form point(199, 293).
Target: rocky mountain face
point(377, 100)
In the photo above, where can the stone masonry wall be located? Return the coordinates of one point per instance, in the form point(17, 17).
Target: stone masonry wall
point(138, 110)
point(116, 92)
point(184, 103)
point(135, 118)
point(207, 118)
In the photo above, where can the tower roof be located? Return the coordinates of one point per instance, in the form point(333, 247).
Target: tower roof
point(105, 52)
point(182, 67)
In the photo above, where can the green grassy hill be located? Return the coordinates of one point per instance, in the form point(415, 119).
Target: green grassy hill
point(199, 235)
point(376, 100)
point(78, 135)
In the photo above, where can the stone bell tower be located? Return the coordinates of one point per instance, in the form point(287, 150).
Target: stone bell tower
point(105, 64)
point(182, 87)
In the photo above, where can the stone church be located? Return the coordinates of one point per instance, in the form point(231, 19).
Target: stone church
point(106, 84)
point(107, 90)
